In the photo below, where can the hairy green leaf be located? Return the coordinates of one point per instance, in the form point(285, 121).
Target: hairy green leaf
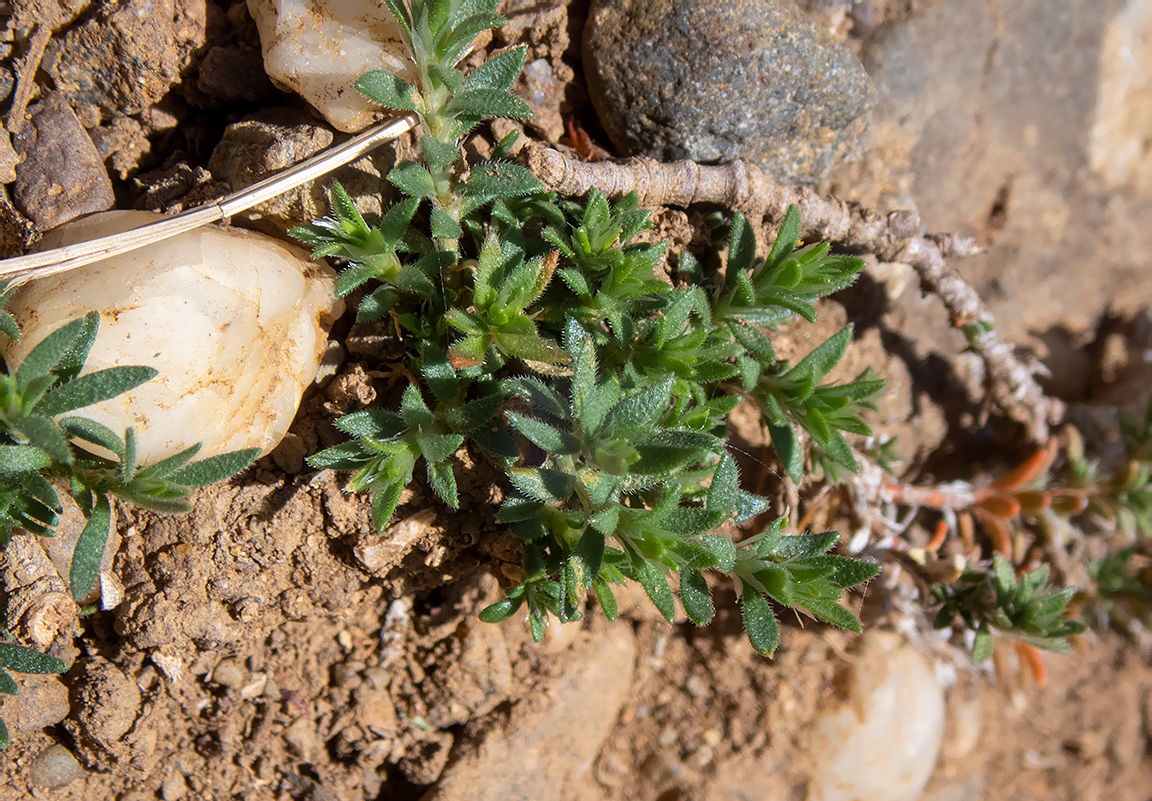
point(93, 388)
point(89, 551)
point(43, 358)
point(215, 468)
point(412, 179)
point(22, 659)
point(387, 90)
point(759, 622)
point(696, 597)
point(499, 72)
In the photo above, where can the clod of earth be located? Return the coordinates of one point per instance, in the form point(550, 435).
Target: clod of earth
point(235, 322)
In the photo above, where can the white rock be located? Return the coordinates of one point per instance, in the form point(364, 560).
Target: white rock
point(881, 743)
point(319, 48)
point(235, 322)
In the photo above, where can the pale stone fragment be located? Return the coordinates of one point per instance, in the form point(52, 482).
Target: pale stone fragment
point(235, 322)
point(881, 743)
point(1118, 145)
point(319, 48)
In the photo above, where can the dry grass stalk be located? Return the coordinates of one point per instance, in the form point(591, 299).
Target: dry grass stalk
point(51, 262)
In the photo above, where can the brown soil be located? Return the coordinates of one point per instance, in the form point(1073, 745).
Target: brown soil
point(272, 646)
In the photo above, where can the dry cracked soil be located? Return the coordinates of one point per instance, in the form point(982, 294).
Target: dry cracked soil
point(271, 646)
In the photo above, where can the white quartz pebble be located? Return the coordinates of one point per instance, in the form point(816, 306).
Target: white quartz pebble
point(319, 48)
point(881, 742)
point(235, 322)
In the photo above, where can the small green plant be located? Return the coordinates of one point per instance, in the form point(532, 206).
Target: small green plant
point(542, 338)
point(41, 439)
point(1124, 587)
point(45, 446)
point(1026, 609)
point(1123, 500)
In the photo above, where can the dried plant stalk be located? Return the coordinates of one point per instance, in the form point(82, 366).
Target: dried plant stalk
point(58, 260)
point(26, 77)
point(892, 237)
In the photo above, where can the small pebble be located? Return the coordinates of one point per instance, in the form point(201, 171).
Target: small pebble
point(174, 788)
point(375, 711)
point(229, 674)
point(62, 175)
point(301, 736)
point(54, 767)
point(881, 742)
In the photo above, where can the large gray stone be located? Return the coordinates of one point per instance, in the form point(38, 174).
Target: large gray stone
point(716, 81)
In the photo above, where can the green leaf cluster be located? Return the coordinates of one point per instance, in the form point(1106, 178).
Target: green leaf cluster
point(795, 571)
point(987, 601)
point(541, 334)
point(1123, 499)
point(1123, 584)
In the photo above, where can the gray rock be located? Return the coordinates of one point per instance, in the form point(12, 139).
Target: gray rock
point(715, 81)
point(61, 176)
point(1023, 132)
point(54, 767)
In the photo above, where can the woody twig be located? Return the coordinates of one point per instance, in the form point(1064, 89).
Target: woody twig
point(896, 236)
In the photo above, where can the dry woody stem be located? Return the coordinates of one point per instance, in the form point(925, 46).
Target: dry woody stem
point(25, 78)
point(893, 237)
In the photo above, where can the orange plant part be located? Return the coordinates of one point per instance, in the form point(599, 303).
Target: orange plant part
point(582, 143)
point(1034, 658)
point(938, 537)
point(994, 504)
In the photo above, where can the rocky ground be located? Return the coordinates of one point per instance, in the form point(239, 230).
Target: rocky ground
point(269, 646)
